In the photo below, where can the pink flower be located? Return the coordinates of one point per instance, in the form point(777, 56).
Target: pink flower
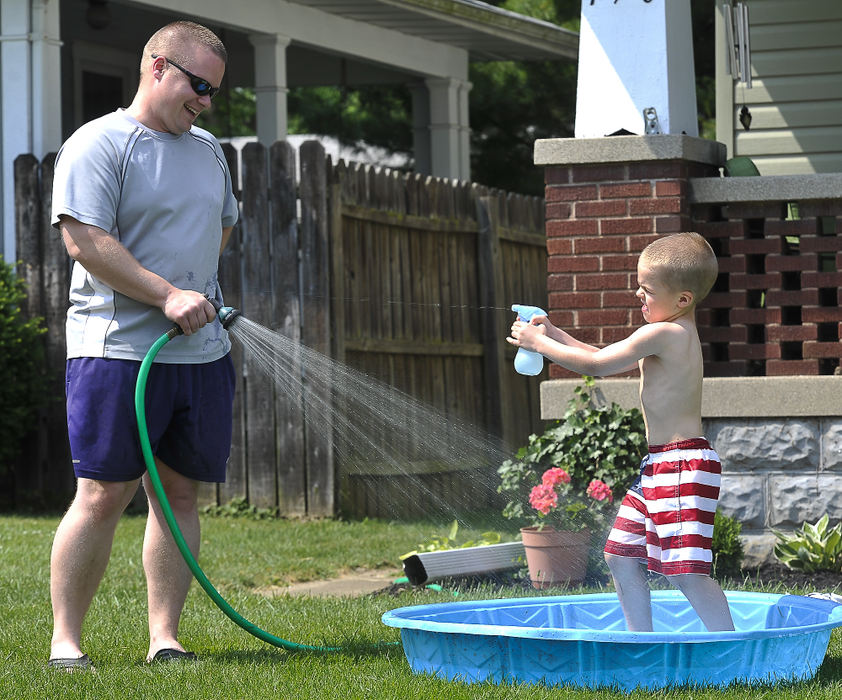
point(554, 476)
point(599, 491)
point(543, 498)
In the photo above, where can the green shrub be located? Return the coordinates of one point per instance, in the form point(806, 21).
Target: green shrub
point(440, 543)
point(727, 547)
point(812, 548)
point(240, 508)
point(22, 367)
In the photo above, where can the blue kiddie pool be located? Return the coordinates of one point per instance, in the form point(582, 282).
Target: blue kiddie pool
point(581, 640)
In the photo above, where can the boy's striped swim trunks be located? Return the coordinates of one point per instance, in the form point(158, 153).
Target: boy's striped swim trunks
point(666, 517)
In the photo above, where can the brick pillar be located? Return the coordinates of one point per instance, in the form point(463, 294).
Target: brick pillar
point(606, 199)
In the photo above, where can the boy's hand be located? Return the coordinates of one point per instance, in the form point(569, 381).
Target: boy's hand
point(527, 335)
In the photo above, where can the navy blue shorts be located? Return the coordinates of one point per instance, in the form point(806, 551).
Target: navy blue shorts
point(188, 417)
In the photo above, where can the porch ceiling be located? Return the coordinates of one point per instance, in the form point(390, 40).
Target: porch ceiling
point(488, 33)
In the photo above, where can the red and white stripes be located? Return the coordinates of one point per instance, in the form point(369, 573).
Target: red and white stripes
point(671, 525)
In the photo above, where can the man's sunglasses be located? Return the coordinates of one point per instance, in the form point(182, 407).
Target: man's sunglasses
point(200, 86)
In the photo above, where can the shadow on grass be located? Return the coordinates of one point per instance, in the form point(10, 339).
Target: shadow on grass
point(830, 670)
point(272, 655)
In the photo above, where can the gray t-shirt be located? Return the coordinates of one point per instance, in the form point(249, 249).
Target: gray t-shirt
point(166, 198)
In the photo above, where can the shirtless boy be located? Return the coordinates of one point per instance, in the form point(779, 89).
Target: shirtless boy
point(665, 522)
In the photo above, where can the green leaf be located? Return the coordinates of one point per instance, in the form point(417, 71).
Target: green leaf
point(813, 547)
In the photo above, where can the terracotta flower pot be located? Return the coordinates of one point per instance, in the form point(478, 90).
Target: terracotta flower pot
point(556, 558)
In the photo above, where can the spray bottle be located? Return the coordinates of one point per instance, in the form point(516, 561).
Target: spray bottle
point(527, 361)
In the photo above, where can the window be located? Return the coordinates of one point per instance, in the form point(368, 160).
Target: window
point(103, 78)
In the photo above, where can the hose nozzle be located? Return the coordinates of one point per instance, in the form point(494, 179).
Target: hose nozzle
point(226, 314)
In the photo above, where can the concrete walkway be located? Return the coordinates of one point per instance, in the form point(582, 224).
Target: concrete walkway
point(350, 585)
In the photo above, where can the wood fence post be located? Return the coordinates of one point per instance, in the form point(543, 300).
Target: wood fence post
point(490, 291)
point(337, 264)
point(289, 404)
point(28, 478)
point(230, 280)
point(258, 307)
point(315, 330)
point(44, 471)
point(55, 278)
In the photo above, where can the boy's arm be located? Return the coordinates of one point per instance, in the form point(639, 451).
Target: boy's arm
point(612, 359)
point(559, 335)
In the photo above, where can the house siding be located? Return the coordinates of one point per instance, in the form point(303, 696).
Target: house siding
point(796, 95)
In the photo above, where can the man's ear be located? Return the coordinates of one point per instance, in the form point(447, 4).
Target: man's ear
point(157, 66)
point(685, 299)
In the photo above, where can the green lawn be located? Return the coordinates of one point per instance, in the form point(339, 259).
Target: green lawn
point(240, 556)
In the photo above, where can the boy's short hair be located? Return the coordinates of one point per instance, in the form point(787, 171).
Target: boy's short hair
point(683, 261)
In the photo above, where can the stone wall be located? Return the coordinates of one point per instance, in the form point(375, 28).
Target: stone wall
point(777, 474)
point(779, 439)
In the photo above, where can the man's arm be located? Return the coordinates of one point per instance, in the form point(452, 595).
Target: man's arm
point(612, 359)
point(226, 234)
point(110, 262)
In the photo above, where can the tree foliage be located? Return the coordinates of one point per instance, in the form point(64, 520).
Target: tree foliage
point(376, 114)
point(21, 366)
point(234, 113)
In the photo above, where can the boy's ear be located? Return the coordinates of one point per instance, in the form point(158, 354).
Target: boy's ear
point(685, 299)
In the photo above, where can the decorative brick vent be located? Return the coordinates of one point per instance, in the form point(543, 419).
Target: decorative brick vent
point(775, 307)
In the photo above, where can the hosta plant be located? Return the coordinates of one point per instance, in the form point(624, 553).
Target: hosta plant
point(814, 547)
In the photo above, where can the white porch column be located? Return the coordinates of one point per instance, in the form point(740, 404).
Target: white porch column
point(632, 56)
point(464, 130)
point(270, 86)
point(449, 129)
point(30, 95)
point(46, 77)
point(421, 128)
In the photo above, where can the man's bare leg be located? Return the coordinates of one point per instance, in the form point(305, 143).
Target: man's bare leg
point(81, 549)
point(168, 577)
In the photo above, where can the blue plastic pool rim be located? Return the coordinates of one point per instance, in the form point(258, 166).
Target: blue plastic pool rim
point(418, 617)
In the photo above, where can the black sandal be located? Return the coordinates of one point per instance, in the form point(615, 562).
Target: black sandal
point(167, 655)
point(78, 663)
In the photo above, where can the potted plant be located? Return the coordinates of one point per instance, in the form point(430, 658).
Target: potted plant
point(557, 542)
point(563, 480)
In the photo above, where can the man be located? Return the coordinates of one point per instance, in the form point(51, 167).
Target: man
point(144, 204)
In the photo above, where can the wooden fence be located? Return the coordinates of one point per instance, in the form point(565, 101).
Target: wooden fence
point(404, 277)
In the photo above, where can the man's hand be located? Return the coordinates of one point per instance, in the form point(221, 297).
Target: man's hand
point(189, 309)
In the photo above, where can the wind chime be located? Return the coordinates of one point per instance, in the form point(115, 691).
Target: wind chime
point(739, 50)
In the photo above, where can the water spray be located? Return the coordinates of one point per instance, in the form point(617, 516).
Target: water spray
point(227, 316)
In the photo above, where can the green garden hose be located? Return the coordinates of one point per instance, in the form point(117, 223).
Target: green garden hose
point(204, 582)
